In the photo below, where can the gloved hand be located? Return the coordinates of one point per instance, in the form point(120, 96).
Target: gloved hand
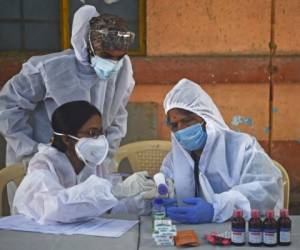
point(169, 202)
point(135, 184)
point(151, 194)
point(199, 211)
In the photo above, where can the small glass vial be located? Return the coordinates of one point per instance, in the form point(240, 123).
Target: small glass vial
point(158, 210)
point(238, 227)
point(270, 229)
point(255, 229)
point(284, 228)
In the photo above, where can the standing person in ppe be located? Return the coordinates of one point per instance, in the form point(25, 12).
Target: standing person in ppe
point(96, 70)
point(215, 169)
point(67, 181)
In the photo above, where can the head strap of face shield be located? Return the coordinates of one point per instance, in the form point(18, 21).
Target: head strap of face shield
point(117, 40)
point(106, 32)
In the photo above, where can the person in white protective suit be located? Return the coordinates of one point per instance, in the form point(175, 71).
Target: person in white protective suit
point(66, 181)
point(215, 169)
point(96, 70)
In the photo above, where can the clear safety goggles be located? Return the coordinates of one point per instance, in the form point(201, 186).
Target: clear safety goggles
point(112, 40)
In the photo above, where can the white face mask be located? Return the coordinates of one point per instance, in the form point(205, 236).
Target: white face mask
point(92, 151)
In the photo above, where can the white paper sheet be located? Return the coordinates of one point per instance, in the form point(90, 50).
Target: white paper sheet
point(95, 227)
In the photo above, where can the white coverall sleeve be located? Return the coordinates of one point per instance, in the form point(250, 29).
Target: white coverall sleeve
point(167, 166)
point(133, 205)
point(118, 129)
point(18, 98)
point(260, 186)
point(41, 197)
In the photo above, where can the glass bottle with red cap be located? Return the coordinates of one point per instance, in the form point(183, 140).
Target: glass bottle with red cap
point(238, 227)
point(284, 228)
point(255, 229)
point(270, 229)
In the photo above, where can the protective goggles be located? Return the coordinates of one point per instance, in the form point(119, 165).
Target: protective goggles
point(111, 40)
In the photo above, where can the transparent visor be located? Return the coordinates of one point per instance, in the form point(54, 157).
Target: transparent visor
point(109, 40)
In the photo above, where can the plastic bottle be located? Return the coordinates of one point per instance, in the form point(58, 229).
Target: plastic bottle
point(270, 229)
point(238, 226)
point(255, 229)
point(162, 187)
point(284, 228)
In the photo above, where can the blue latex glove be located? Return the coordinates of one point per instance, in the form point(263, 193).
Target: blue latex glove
point(198, 211)
point(168, 202)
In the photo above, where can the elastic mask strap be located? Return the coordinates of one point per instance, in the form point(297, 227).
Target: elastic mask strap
point(71, 136)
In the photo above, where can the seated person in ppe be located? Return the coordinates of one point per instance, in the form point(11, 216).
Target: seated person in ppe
point(215, 169)
point(66, 181)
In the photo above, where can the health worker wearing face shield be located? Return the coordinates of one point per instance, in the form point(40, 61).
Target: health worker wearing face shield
point(96, 70)
point(215, 169)
point(67, 180)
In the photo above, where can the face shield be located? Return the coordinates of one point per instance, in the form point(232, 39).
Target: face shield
point(110, 40)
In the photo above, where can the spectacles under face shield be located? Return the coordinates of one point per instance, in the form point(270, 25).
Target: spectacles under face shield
point(92, 132)
point(110, 40)
point(186, 121)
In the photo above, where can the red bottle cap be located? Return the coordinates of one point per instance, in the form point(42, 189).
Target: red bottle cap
point(238, 213)
point(270, 214)
point(284, 212)
point(255, 213)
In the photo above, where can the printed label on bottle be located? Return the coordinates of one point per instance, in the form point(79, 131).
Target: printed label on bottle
point(270, 236)
point(285, 235)
point(255, 236)
point(238, 235)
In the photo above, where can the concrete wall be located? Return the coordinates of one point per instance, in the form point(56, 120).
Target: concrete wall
point(231, 27)
point(222, 45)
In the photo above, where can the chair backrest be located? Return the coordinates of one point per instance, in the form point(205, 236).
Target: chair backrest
point(144, 155)
point(286, 184)
point(10, 173)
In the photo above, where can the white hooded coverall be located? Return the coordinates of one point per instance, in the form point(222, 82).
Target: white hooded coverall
point(235, 172)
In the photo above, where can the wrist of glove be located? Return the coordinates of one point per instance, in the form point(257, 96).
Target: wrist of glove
point(135, 184)
point(197, 211)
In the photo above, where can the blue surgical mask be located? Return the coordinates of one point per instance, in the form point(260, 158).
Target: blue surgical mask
point(192, 138)
point(105, 67)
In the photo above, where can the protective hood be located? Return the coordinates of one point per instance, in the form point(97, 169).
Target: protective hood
point(80, 30)
point(190, 96)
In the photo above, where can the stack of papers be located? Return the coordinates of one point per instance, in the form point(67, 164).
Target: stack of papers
point(164, 232)
point(95, 227)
